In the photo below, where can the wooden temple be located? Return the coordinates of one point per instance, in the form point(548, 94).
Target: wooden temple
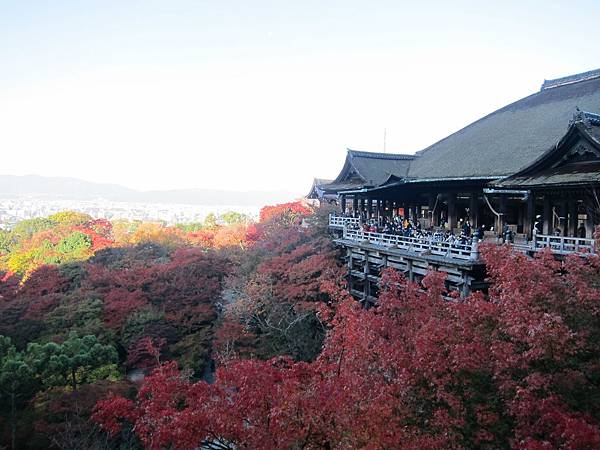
point(532, 166)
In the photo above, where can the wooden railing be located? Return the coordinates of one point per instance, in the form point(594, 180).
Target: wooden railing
point(558, 244)
point(563, 244)
point(341, 221)
point(419, 245)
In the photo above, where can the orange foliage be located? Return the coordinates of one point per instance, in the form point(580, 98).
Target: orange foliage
point(286, 213)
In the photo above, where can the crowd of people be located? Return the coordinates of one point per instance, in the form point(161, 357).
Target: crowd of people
point(463, 235)
point(404, 226)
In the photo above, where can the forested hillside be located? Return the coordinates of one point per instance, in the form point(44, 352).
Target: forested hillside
point(231, 334)
point(88, 307)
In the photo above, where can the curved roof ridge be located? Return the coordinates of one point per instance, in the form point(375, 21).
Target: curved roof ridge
point(380, 155)
point(569, 79)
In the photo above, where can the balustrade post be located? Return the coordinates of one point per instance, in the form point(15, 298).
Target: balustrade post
point(474, 250)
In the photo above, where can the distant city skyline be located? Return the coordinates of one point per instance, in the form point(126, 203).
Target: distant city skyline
point(263, 95)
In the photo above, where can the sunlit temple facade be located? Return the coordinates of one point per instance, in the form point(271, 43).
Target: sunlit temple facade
point(531, 167)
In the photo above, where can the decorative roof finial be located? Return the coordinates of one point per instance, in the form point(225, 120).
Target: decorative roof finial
point(586, 118)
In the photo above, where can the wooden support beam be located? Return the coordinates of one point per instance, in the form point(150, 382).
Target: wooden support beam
point(350, 264)
point(433, 214)
point(501, 220)
point(547, 215)
point(452, 219)
point(562, 217)
point(528, 218)
point(473, 210)
point(572, 231)
point(367, 283)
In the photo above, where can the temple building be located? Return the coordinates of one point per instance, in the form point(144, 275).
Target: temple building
point(535, 159)
point(530, 170)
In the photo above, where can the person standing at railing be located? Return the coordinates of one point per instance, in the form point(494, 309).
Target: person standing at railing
point(478, 233)
point(466, 228)
point(581, 232)
point(507, 234)
point(537, 226)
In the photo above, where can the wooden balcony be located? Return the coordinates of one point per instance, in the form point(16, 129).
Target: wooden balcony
point(563, 245)
point(416, 245)
point(342, 221)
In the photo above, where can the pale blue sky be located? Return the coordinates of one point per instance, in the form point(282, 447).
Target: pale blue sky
point(263, 95)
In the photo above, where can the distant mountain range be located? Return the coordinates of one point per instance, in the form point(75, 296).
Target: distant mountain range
point(56, 188)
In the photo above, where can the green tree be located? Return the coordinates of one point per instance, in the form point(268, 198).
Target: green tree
point(210, 221)
point(75, 244)
point(16, 380)
point(27, 228)
point(6, 241)
point(73, 361)
point(71, 218)
point(233, 217)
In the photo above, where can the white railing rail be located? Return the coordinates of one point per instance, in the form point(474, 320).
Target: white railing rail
point(342, 221)
point(418, 245)
point(563, 244)
point(558, 244)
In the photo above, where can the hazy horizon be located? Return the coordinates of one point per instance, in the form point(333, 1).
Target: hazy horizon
point(263, 95)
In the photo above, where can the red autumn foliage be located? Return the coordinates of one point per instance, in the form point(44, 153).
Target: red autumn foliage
point(519, 369)
point(119, 303)
point(285, 214)
point(145, 353)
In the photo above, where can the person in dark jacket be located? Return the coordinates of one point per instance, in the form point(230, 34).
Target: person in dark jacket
point(537, 226)
point(466, 228)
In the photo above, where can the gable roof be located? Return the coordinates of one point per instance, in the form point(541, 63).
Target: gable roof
point(364, 169)
point(317, 190)
point(573, 160)
point(509, 139)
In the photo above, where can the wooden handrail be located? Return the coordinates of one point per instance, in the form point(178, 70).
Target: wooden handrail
point(342, 221)
point(440, 248)
point(563, 244)
point(558, 244)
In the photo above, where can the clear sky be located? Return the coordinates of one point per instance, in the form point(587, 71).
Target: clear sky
point(263, 95)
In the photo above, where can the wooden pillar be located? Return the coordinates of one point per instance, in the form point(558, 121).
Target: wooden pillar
point(547, 215)
point(572, 218)
point(529, 218)
point(433, 215)
point(562, 216)
point(378, 209)
point(589, 225)
point(343, 203)
point(350, 263)
point(452, 219)
point(362, 206)
point(369, 208)
point(521, 212)
point(473, 210)
point(367, 284)
point(502, 218)
point(354, 204)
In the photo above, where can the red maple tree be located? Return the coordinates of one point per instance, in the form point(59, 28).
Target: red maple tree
point(517, 369)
